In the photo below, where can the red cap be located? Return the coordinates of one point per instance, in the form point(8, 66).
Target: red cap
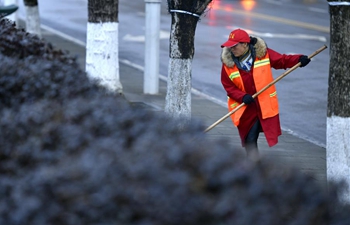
point(235, 37)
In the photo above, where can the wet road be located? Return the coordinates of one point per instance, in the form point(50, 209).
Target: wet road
point(288, 26)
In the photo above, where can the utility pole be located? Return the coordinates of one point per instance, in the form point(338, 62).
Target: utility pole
point(338, 111)
point(151, 73)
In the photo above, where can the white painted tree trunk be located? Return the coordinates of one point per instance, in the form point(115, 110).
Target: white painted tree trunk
point(33, 20)
point(178, 97)
point(338, 108)
point(338, 151)
point(13, 16)
point(102, 58)
point(183, 27)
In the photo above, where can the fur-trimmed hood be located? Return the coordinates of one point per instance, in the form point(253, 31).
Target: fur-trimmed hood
point(260, 51)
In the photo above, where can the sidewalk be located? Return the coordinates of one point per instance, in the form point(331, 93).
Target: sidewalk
point(306, 156)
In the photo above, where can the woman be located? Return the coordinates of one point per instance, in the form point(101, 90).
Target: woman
point(246, 69)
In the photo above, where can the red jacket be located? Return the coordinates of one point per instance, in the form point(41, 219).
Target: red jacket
point(270, 126)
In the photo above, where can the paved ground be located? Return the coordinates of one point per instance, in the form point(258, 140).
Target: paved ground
point(306, 156)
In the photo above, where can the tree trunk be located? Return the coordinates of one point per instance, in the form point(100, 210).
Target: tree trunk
point(102, 58)
point(13, 16)
point(338, 114)
point(184, 17)
point(32, 17)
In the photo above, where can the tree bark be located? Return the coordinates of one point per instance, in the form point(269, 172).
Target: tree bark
point(102, 58)
point(338, 113)
point(184, 18)
point(32, 17)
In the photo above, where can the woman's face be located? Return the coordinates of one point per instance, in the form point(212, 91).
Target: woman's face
point(239, 49)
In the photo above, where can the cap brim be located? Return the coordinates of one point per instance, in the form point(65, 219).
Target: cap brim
point(229, 44)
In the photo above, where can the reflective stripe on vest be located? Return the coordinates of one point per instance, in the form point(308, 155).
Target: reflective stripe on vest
point(262, 75)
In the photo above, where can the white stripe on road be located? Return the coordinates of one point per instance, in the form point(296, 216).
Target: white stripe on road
point(63, 35)
point(313, 9)
point(274, 2)
point(141, 38)
point(277, 19)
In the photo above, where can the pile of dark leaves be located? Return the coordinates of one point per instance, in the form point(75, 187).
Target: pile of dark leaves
point(31, 79)
point(31, 69)
point(17, 43)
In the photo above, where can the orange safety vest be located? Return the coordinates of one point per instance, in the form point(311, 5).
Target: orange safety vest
point(262, 76)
